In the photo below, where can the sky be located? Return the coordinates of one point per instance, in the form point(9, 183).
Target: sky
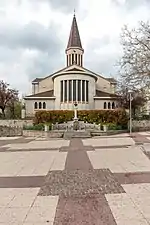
point(34, 35)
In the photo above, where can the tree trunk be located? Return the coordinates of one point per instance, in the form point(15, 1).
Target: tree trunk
point(134, 112)
point(3, 112)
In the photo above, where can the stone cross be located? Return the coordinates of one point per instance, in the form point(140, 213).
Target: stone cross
point(75, 112)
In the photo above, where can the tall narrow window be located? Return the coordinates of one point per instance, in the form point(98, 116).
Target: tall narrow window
point(76, 58)
point(79, 60)
point(44, 105)
point(65, 90)
point(61, 90)
point(87, 90)
point(79, 90)
point(74, 90)
point(70, 90)
point(113, 105)
point(105, 105)
point(83, 90)
point(72, 59)
point(109, 105)
point(35, 105)
point(40, 105)
point(69, 59)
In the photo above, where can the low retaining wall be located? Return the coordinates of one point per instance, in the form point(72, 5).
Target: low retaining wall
point(141, 125)
point(50, 134)
point(10, 131)
point(109, 132)
point(16, 123)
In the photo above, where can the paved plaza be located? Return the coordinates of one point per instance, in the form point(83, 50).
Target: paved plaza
point(97, 181)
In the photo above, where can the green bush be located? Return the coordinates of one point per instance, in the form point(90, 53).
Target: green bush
point(112, 126)
point(34, 127)
point(115, 127)
point(117, 117)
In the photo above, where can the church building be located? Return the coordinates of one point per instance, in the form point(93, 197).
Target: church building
point(72, 84)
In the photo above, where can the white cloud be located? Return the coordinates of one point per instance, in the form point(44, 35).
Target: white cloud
point(34, 34)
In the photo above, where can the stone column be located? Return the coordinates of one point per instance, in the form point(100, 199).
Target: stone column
point(23, 111)
point(76, 90)
point(63, 91)
point(75, 113)
point(85, 92)
point(67, 91)
point(72, 91)
point(81, 91)
point(23, 114)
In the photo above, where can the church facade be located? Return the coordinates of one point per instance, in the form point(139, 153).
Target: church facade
point(72, 84)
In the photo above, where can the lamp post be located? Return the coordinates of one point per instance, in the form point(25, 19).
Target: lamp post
point(130, 100)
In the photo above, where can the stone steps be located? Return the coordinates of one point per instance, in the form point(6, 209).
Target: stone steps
point(77, 134)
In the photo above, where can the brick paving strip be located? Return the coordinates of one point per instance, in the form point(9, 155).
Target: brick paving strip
point(133, 178)
point(81, 190)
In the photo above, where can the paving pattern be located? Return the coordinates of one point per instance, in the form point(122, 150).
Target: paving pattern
point(97, 181)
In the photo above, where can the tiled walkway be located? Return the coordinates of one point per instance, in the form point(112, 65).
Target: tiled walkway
point(98, 181)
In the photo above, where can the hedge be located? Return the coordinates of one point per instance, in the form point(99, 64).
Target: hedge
point(118, 117)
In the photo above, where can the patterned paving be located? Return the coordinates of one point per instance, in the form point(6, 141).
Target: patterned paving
point(98, 181)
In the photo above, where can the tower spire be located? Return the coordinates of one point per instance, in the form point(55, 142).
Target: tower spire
point(74, 38)
point(74, 49)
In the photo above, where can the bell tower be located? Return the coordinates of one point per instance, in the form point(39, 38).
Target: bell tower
point(74, 49)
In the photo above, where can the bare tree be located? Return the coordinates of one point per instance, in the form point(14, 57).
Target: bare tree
point(135, 62)
point(7, 96)
point(138, 98)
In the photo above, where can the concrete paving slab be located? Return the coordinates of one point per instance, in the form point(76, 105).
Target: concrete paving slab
point(121, 160)
point(109, 141)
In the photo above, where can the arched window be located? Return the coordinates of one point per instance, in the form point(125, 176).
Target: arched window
point(105, 105)
point(113, 105)
point(35, 105)
point(40, 105)
point(44, 105)
point(109, 105)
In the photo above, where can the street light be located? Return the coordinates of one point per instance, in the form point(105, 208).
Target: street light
point(130, 100)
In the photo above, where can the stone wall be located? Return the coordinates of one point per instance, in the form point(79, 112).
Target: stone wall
point(142, 125)
point(10, 131)
point(16, 123)
point(50, 134)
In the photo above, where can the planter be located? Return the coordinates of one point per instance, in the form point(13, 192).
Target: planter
point(105, 128)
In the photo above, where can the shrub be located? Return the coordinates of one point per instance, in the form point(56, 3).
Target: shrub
point(34, 127)
point(118, 117)
point(112, 126)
